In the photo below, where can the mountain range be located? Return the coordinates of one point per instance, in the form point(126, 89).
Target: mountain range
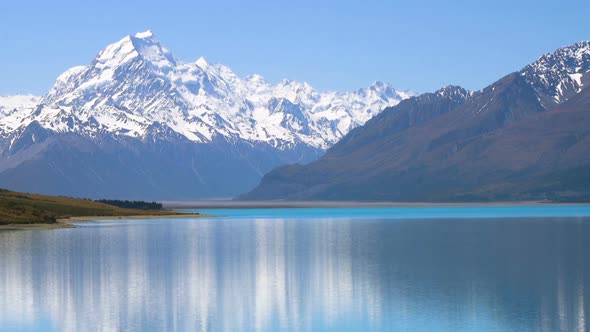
point(524, 137)
point(138, 123)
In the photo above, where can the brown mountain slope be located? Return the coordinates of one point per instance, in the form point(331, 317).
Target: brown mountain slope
point(499, 144)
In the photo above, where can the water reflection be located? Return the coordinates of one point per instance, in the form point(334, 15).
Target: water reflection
point(245, 275)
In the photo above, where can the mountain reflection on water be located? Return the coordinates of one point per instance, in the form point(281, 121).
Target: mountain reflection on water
point(300, 275)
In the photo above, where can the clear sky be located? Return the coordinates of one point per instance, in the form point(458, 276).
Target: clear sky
point(333, 45)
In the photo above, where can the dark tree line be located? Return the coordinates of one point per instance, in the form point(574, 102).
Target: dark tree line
point(143, 205)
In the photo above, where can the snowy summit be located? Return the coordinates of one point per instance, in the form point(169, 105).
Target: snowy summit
point(136, 83)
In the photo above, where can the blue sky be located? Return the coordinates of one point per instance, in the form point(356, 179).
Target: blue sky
point(333, 45)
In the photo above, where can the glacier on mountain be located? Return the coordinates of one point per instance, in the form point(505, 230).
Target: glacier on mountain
point(136, 83)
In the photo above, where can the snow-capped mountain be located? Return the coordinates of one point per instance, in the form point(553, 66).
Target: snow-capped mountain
point(455, 93)
point(136, 82)
point(523, 137)
point(13, 110)
point(139, 123)
point(558, 76)
point(10, 103)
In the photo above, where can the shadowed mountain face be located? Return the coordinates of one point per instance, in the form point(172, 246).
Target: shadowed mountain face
point(514, 140)
point(75, 165)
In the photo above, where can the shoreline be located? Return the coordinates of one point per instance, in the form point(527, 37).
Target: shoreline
point(32, 227)
point(229, 204)
point(70, 222)
point(63, 223)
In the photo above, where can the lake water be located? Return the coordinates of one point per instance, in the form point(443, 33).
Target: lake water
point(372, 269)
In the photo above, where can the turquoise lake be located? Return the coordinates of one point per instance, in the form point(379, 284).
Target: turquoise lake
point(513, 268)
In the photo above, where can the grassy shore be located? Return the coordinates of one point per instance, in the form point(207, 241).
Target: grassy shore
point(31, 211)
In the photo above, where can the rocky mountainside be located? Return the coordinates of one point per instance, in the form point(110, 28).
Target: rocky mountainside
point(139, 123)
point(558, 76)
point(525, 136)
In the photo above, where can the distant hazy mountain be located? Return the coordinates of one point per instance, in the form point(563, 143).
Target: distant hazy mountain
point(138, 123)
point(526, 136)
